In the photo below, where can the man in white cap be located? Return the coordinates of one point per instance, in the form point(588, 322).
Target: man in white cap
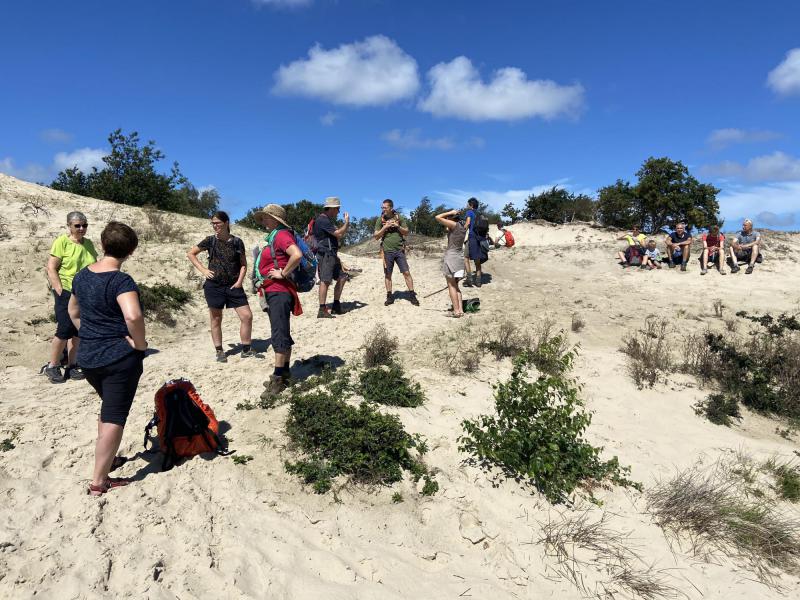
point(327, 236)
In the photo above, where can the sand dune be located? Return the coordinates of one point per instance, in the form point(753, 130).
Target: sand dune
point(214, 529)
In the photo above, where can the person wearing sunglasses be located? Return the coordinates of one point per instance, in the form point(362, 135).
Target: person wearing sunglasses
point(227, 266)
point(69, 253)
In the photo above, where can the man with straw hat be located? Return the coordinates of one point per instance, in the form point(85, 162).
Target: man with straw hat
point(327, 236)
point(278, 289)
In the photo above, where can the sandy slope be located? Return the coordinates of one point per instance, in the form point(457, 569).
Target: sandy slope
point(212, 529)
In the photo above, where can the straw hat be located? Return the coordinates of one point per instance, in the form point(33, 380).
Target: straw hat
point(276, 211)
point(332, 202)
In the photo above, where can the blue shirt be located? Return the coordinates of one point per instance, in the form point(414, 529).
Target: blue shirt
point(103, 328)
point(471, 217)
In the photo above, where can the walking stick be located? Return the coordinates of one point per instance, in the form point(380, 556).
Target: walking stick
point(436, 292)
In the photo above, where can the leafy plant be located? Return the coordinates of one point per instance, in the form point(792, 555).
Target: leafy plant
point(506, 339)
point(719, 409)
point(241, 459)
point(397, 498)
point(162, 300)
point(380, 347)
point(389, 386)
point(537, 433)
point(7, 445)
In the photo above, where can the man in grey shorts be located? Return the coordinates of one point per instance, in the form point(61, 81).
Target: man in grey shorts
point(746, 247)
point(327, 237)
point(391, 230)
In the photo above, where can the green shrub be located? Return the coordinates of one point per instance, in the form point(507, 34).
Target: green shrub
point(336, 438)
point(380, 347)
point(397, 498)
point(241, 459)
point(389, 386)
point(537, 433)
point(787, 479)
point(7, 445)
point(719, 409)
point(162, 300)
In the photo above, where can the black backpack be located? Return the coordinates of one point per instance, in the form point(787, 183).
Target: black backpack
point(481, 225)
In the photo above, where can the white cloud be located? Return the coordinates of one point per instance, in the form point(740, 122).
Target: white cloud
point(329, 118)
point(30, 172)
point(370, 73)
point(411, 139)
point(283, 3)
point(776, 204)
point(458, 91)
point(785, 78)
point(770, 167)
point(55, 136)
point(494, 198)
point(83, 158)
point(722, 138)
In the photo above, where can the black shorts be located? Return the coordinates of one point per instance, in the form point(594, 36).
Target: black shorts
point(116, 384)
point(280, 312)
point(65, 330)
point(390, 258)
point(220, 295)
point(329, 267)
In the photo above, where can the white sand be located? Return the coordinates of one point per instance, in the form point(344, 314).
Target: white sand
point(214, 529)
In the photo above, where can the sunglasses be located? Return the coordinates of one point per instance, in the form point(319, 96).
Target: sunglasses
point(80, 225)
point(215, 223)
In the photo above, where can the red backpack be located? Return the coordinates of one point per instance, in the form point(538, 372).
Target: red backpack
point(509, 238)
point(185, 424)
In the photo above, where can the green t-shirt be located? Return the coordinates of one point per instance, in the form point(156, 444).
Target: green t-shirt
point(74, 257)
point(392, 240)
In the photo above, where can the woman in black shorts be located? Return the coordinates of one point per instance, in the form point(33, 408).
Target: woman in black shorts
point(105, 310)
point(227, 266)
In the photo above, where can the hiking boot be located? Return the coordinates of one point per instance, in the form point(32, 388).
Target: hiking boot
point(703, 271)
point(75, 373)
point(735, 269)
point(414, 300)
point(248, 353)
point(478, 281)
point(54, 374)
point(389, 299)
point(324, 313)
point(749, 270)
point(336, 309)
point(671, 265)
point(274, 386)
point(683, 267)
point(221, 357)
point(467, 281)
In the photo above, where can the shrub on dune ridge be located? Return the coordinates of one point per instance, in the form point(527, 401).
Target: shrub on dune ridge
point(648, 352)
point(162, 300)
point(380, 347)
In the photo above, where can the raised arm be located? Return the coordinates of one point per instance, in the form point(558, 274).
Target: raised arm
point(443, 219)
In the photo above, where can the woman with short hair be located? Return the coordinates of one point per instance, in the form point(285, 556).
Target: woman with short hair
point(106, 311)
point(227, 266)
point(69, 253)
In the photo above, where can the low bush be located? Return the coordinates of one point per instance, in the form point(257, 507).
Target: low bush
point(380, 348)
point(389, 386)
point(696, 360)
point(578, 323)
point(457, 351)
point(161, 226)
point(162, 300)
point(536, 435)
point(336, 439)
point(719, 409)
point(506, 340)
point(648, 352)
point(787, 478)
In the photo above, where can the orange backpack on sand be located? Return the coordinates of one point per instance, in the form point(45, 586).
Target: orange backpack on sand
point(186, 426)
point(509, 238)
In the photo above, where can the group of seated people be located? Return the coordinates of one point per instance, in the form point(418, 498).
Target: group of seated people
point(745, 247)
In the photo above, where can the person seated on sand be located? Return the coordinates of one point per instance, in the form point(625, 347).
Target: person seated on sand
point(106, 311)
point(679, 246)
point(746, 247)
point(632, 255)
point(68, 255)
point(280, 292)
point(651, 257)
point(713, 250)
point(506, 238)
point(453, 259)
point(391, 230)
point(227, 267)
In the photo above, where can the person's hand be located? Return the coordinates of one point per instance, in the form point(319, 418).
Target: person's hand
point(346, 217)
point(276, 274)
point(130, 341)
point(59, 291)
point(236, 285)
point(209, 274)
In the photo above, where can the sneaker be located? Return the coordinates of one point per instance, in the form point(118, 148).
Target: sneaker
point(703, 271)
point(389, 299)
point(324, 313)
point(671, 265)
point(749, 269)
point(683, 266)
point(735, 269)
point(336, 309)
point(414, 300)
point(75, 373)
point(248, 353)
point(478, 280)
point(722, 271)
point(54, 374)
point(222, 357)
point(467, 281)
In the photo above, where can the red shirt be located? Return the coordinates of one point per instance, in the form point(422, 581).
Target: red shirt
point(283, 239)
point(713, 241)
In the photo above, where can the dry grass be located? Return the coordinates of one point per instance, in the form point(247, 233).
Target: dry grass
point(161, 227)
point(506, 340)
point(457, 350)
point(725, 510)
point(577, 323)
point(34, 207)
point(380, 348)
point(602, 562)
point(648, 352)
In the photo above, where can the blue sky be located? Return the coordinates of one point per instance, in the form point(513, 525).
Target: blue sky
point(274, 101)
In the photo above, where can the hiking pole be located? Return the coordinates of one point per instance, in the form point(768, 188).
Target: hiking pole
point(436, 292)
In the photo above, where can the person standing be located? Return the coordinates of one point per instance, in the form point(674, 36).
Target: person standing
point(473, 249)
point(453, 259)
point(69, 254)
point(327, 237)
point(227, 267)
point(391, 230)
point(280, 257)
point(105, 310)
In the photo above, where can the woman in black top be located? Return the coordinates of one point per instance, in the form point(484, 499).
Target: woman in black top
point(105, 309)
point(227, 266)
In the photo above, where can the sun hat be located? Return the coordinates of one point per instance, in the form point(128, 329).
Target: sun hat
point(332, 202)
point(276, 211)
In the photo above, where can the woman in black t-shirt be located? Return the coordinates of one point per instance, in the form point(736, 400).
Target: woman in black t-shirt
point(227, 266)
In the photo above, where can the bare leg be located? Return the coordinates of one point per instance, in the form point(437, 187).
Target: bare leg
point(388, 281)
point(754, 254)
point(282, 359)
point(109, 436)
point(56, 350)
point(323, 292)
point(409, 281)
point(704, 259)
point(216, 326)
point(245, 325)
point(337, 290)
point(455, 296)
point(478, 273)
point(686, 251)
point(621, 257)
